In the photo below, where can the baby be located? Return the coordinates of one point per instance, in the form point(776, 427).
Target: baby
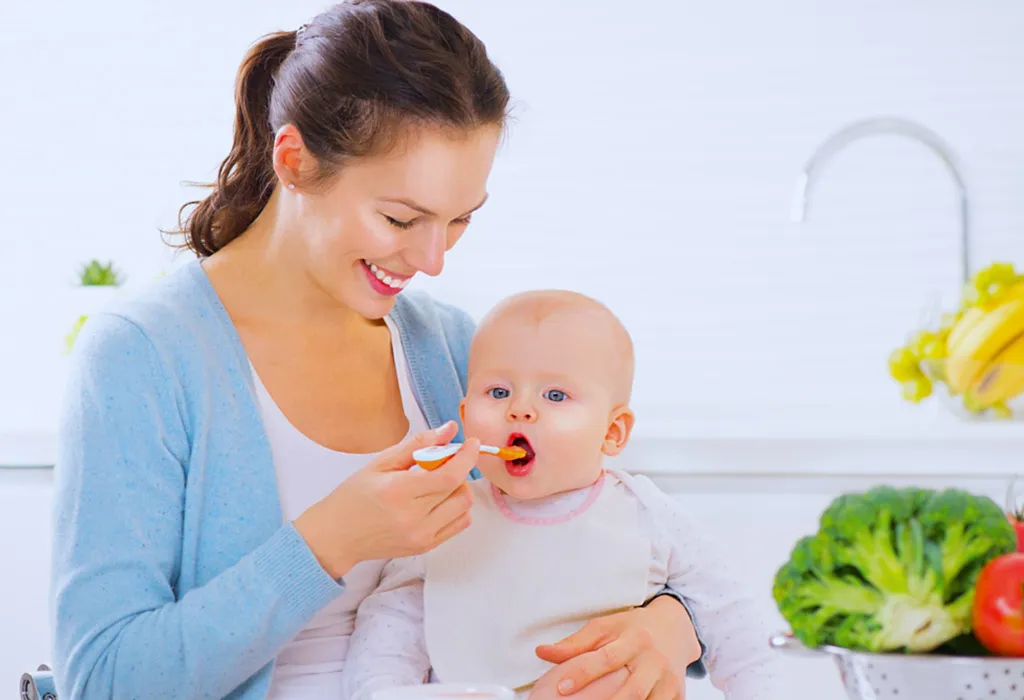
point(556, 538)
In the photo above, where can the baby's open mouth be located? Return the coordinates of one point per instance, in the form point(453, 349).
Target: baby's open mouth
point(519, 440)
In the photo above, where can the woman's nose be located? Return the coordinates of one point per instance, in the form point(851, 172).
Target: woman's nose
point(427, 254)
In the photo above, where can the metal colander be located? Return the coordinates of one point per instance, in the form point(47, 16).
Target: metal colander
point(918, 676)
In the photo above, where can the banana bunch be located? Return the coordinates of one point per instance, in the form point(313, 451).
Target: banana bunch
point(977, 352)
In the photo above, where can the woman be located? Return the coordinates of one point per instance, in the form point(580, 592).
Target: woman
point(235, 443)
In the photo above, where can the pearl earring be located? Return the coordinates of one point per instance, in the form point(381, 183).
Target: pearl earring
point(291, 185)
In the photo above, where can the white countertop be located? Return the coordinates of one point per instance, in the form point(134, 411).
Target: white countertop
point(722, 457)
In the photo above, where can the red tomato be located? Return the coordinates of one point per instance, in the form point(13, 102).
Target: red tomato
point(1018, 526)
point(998, 613)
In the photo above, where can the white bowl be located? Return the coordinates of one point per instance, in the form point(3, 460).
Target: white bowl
point(446, 691)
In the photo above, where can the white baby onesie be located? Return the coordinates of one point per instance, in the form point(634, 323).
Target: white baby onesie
point(475, 608)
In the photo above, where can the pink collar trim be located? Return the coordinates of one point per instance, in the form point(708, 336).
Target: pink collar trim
point(502, 503)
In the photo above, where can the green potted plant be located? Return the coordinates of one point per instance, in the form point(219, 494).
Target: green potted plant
point(96, 284)
point(97, 274)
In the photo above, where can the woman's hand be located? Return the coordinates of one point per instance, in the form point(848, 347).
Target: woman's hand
point(384, 511)
point(655, 644)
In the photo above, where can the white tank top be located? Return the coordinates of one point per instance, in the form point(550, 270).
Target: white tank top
point(309, 666)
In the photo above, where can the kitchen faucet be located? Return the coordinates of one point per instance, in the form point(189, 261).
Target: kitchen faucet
point(901, 127)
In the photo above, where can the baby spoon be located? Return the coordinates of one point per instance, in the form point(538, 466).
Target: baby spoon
point(436, 455)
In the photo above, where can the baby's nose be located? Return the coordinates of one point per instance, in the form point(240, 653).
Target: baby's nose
point(524, 414)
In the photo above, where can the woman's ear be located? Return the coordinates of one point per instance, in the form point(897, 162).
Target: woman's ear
point(619, 429)
point(289, 154)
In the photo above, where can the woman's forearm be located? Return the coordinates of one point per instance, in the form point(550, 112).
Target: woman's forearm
point(120, 633)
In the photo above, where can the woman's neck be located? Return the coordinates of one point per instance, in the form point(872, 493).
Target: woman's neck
point(262, 278)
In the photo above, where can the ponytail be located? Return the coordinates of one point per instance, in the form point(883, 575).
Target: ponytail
point(245, 179)
point(347, 81)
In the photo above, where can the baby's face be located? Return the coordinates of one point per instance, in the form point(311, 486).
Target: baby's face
point(551, 387)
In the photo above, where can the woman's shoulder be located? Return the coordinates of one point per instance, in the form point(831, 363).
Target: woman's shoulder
point(419, 307)
point(425, 320)
point(167, 320)
point(435, 337)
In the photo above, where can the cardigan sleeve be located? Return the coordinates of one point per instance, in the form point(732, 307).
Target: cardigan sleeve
point(120, 628)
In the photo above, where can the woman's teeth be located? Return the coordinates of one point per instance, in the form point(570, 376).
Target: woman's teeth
point(386, 278)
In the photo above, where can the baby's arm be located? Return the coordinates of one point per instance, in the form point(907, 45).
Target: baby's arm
point(388, 648)
point(735, 629)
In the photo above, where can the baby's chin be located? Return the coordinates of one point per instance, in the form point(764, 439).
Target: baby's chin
point(529, 488)
point(518, 487)
point(522, 489)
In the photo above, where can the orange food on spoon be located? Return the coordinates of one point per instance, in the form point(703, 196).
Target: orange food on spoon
point(431, 458)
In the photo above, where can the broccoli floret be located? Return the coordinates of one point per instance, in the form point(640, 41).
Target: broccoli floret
point(814, 589)
point(891, 569)
point(973, 531)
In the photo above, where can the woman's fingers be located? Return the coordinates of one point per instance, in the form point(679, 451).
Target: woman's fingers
point(669, 687)
point(453, 505)
point(594, 634)
point(450, 509)
point(399, 457)
point(582, 670)
point(453, 528)
point(447, 519)
point(645, 671)
point(441, 482)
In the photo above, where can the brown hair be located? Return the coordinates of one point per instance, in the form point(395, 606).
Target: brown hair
point(348, 81)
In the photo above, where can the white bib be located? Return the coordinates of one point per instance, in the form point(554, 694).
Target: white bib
point(501, 587)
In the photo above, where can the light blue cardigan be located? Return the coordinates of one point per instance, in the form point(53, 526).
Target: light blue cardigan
point(172, 573)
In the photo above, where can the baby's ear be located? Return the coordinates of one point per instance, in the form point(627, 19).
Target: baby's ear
point(619, 429)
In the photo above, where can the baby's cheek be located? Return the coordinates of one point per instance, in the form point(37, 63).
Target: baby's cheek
point(481, 420)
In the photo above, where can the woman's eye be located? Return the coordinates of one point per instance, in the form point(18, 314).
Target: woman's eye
point(499, 392)
point(399, 224)
point(555, 395)
point(464, 221)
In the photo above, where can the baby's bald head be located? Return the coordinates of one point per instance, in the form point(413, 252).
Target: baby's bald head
point(578, 325)
point(554, 369)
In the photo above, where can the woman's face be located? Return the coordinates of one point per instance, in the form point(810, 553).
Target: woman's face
point(385, 218)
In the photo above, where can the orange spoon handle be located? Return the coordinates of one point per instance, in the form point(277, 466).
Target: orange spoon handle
point(433, 457)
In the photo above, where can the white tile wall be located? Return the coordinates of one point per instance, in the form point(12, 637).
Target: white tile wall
point(651, 163)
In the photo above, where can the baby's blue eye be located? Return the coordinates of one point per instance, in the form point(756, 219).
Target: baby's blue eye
point(499, 392)
point(555, 395)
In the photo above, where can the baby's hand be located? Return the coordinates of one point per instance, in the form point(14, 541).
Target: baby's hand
point(604, 688)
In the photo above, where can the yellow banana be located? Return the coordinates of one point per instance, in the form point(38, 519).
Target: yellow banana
point(980, 342)
point(1003, 378)
point(961, 328)
point(971, 316)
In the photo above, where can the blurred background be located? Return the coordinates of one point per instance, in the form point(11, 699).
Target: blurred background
point(654, 162)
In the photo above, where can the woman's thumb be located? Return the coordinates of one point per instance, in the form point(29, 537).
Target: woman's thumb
point(399, 457)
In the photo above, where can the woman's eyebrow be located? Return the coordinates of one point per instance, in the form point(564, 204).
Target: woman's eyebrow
point(482, 201)
point(422, 209)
